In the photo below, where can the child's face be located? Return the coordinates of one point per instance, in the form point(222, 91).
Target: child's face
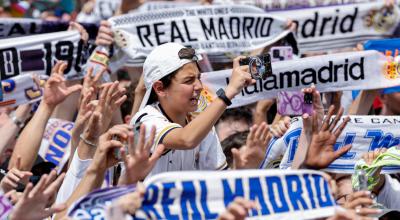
point(185, 88)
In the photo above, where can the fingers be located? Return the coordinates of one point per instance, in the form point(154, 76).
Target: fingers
point(336, 120)
point(327, 120)
point(341, 151)
point(354, 201)
point(341, 127)
point(54, 185)
point(74, 88)
point(142, 137)
point(236, 61)
point(149, 143)
point(315, 123)
point(237, 160)
point(157, 153)
point(251, 134)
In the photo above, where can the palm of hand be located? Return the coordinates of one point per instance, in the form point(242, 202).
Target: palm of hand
point(321, 151)
point(33, 204)
point(55, 93)
point(252, 155)
point(138, 166)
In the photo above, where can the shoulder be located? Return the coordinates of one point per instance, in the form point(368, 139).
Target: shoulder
point(149, 112)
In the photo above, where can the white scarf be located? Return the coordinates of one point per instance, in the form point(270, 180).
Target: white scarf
point(335, 72)
point(20, 90)
point(294, 194)
point(365, 133)
point(208, 29)
point(334, 27)
point(38, 53)
point(270, 5)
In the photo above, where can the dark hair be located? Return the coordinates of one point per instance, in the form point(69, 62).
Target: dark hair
point(126, 107)
point(237, 114)
point(166, 81)
point(236, 140)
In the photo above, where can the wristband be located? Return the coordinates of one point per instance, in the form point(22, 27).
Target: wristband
point(18, 122)
point(87, 142)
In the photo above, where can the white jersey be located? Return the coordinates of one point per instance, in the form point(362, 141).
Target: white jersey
point(208, 155)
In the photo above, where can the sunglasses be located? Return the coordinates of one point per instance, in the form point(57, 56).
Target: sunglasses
point(188, 53)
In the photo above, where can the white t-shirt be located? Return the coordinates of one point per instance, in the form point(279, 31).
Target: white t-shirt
point(207, 156)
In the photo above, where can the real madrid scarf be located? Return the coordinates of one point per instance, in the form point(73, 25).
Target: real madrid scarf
point(335, 72)
point(364, 133)
point(208, 29)
point(300, 194)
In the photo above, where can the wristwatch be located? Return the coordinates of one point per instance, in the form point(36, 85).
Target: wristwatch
point(221, 95)
point(18, 122)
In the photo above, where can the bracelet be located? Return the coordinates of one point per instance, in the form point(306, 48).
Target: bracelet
point(87, 142)
point(18, 122)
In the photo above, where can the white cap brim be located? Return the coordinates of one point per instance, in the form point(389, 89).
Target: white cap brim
point(145, 99)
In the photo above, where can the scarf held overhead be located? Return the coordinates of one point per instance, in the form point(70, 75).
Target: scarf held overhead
point(335, 72)
point(364, 133)
point(38, 53)
point(208, 29)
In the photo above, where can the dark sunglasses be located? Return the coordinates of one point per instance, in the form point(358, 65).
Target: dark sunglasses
point(188, 53)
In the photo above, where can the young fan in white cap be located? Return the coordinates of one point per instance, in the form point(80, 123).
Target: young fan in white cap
point(173, 87)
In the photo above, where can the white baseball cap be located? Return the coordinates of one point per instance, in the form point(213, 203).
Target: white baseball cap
point(162, 61)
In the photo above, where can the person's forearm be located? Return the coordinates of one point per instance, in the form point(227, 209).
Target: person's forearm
point(193, 133)
point(363, 102)
point(8, 133)
point(91, 181)
point(28, 143)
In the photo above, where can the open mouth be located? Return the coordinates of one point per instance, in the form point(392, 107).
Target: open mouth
point(194, 101)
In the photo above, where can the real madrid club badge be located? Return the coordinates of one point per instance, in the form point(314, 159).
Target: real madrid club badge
point(392, 68)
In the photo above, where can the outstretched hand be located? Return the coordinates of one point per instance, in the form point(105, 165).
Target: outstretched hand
point(251, 155)
point(33, 205)
point(55, 89)
point(140, 161)
point(321, 151)
point(15, 176)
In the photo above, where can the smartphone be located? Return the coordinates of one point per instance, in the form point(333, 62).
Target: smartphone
point(294, 103)
point(281, 53)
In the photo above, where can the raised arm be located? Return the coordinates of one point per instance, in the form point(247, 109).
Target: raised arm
point(28, 143)
point(10, 129)
point(102, 160)
point(193, 133)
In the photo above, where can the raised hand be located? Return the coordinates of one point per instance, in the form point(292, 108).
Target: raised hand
point(251, 155)
point(105, 36)
point(55, 89)
point(280, 128)
point(104, 156)
point(14, 176)
point(360, 201)
point(82, 31)
point(34, 203)
point(321, 151)
point(139, 163)
point(91, 80)
point(240, 78)
point(111, 98)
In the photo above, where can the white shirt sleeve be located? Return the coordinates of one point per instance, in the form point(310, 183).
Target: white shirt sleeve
point(150, 116)
point(389, 196)
point(72, 178)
